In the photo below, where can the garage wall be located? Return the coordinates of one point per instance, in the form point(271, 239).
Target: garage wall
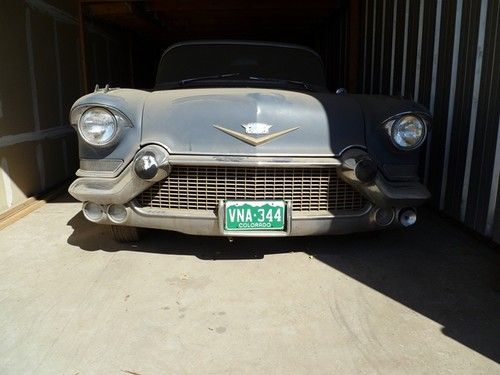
point(41, 76)
point(108, 57)
point(39, 79)
point(445, 55)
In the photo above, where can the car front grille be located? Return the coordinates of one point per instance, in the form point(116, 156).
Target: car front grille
point(201, 188)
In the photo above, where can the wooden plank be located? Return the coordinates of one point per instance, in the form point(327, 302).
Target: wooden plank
point(31, 204)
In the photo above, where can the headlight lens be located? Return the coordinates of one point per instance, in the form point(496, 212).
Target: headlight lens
point(98, 126)
point(408, 132)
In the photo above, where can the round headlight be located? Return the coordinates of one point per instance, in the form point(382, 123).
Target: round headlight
point(408, 132)
point(97, 126)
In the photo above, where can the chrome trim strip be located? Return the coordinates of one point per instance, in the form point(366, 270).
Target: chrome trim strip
point(204, 214)
point(253, 161)
point(171, 212)
point(256, 154)
point(304, 215)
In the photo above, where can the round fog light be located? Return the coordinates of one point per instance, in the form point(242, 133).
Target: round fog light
point(384, 216)
point(117, 213)
point(93, 211)
point(146, 166)
point(407, 217)
point(366, 170)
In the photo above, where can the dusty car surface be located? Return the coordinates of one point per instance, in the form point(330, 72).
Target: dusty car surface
point(244, 139)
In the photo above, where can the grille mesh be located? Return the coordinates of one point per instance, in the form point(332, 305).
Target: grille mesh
point(201, 188)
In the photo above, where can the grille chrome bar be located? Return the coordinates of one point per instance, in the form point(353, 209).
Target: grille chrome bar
point(201, 188)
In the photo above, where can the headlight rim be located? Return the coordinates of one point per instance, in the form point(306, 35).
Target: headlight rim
point(390, 126)
point(123, 121)
point(116, 130)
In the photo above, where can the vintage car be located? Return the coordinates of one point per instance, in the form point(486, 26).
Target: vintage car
point(244, 139)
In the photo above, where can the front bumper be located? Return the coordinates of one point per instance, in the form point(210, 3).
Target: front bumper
point(380, 193)
point(207, 223)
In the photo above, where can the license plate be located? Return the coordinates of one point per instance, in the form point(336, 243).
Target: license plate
point(254, 215)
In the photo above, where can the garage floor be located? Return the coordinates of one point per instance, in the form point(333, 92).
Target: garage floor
point(74, 302)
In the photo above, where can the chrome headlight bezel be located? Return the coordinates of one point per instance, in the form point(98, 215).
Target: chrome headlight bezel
point(111, 125)
point(391, 127)
point(121, 121)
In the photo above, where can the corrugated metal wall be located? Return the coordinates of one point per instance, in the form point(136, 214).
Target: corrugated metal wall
point(445, 55)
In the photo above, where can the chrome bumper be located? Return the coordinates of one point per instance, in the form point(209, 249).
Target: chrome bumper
point(125, 187)
point(207, 223)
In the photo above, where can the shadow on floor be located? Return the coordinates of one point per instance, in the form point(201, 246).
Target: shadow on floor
point(435, 268)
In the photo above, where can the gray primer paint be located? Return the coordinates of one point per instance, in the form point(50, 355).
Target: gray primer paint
point(182, 121)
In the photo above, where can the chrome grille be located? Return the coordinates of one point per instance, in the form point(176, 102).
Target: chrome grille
point(201, 188)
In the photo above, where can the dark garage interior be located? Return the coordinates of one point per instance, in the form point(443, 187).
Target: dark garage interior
point(151, 27)
point(443, 54)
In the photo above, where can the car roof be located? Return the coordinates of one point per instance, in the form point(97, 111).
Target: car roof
point(240, 42)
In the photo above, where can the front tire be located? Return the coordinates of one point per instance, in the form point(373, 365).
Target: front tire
point(124, 234)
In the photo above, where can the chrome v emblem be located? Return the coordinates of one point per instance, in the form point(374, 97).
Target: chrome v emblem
point(254, 141)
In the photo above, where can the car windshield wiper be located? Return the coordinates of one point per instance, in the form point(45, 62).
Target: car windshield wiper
point(215, 76)
point(279, 80)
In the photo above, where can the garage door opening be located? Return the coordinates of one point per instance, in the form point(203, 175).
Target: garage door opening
point(131, 36)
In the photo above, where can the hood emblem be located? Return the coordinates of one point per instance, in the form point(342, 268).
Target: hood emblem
point(255, 128)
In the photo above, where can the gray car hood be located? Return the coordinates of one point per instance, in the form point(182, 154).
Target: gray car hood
point(183, 121)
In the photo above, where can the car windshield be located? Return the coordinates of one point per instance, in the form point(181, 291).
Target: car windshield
point(258, 63)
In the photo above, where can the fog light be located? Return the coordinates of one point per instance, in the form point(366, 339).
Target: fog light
point(93, 211)
point(146, 166)
point(365, 170)
point(407, 217)
point(384, 216)
point(117, 213)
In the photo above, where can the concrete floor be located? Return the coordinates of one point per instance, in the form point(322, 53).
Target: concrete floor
point(74, 302)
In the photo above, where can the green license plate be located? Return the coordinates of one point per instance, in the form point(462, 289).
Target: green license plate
point(255, 215)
